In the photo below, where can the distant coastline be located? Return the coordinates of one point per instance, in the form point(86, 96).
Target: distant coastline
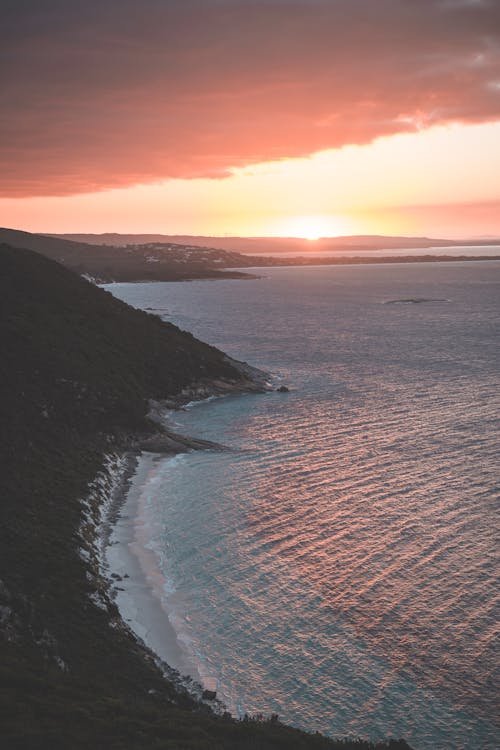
point(277, 245)
point(229, 258)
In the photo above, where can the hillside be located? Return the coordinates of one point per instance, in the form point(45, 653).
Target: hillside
point(78, 368)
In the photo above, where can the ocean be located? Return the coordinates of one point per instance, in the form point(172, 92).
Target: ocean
point(338, 565)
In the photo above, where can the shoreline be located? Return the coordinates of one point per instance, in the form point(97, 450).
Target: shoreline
point(125, 566)
point(137, 586)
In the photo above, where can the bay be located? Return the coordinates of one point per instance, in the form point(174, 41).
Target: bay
point(339, 565)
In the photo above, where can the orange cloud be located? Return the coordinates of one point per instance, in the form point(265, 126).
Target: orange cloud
point(108, 94)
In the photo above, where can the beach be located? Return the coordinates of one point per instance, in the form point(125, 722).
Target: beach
point(145, 598)
point(138, 586)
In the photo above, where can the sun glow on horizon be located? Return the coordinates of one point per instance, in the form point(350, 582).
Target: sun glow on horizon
point(311, 227)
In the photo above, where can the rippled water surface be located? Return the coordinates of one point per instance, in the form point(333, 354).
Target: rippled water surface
point(339, 567)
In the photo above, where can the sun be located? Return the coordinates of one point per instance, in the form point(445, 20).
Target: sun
point(311, 227)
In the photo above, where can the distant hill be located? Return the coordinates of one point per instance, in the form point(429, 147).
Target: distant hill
point(77, 369)
point(147, 262)
point(258, 245)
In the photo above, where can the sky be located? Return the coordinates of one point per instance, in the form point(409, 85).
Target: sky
point(251, 117)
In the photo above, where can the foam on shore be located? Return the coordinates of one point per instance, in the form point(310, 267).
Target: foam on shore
point(139, 587)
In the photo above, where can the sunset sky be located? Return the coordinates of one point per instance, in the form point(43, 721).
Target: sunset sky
point(251, 117)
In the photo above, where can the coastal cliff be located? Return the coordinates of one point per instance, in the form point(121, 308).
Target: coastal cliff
point(78, 374)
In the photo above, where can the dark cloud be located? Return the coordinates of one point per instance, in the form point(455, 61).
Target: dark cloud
point(112, 93)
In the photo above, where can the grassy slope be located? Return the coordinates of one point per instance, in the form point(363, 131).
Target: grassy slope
point(77, 369)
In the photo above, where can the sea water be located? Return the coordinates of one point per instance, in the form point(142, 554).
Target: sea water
point(338, 565)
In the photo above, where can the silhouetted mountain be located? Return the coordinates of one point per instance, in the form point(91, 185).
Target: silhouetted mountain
point(78, 368)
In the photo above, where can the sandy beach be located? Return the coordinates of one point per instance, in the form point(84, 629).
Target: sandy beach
point(138, 585)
